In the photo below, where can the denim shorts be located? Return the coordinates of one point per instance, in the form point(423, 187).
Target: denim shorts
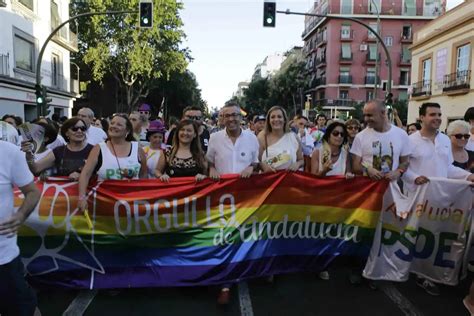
point(16, 295)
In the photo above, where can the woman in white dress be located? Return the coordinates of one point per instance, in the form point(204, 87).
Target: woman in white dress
point(155, 135)
point(280, 148)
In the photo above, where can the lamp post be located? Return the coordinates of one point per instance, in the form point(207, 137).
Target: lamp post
point(376, 49)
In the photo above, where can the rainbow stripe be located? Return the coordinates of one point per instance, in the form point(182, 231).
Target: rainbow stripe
point(146, 233)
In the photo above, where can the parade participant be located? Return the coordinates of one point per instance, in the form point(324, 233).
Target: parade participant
point(9, 134)
point(413, 128)
point(220, 123)
point(353, 128)
point(59, 140)
point(94, 135)
point(185, 159)
point(145, 110)
point(258, 124)
point(469, 117)
point(138, 122)
point(17, 298)
point(458, 132)
point(279, 147)
point(194, 113)
point(321, 121)
point(232, 150)
point(118, 158)
point(380, 151)
point(306, 140)
point(431, 156)
point(66, 160)
point(50, 135)
point(10, 119)
point(153, 151)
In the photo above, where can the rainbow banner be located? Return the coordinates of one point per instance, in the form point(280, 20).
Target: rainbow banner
point(145, 233)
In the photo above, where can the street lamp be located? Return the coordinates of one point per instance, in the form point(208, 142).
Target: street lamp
point(376, 48)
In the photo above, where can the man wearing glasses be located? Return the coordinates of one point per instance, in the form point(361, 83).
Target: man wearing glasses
point(194, 113)
point(145, 111)
point(232, 151)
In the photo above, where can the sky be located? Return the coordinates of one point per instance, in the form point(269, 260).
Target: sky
point(227, 40)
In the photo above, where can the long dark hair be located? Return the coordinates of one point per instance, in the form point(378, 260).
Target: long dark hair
point(128, 124)
point(195, 147)
point(331, 128)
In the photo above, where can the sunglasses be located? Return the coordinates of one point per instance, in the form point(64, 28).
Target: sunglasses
point(76, 128)
point(353, 128)
point(460, 136)
point(144, 112)
point(194, 118)
point(337, 134)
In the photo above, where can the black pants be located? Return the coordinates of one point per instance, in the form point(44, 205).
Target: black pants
point(16, 296)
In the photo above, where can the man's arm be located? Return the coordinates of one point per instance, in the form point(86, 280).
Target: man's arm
point(10, 226)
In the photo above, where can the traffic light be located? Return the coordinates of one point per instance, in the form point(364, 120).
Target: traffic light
point(146, 14)
point(269, 14)
point(41, 98)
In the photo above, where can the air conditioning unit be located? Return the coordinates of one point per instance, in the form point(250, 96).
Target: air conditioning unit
point(363, 47)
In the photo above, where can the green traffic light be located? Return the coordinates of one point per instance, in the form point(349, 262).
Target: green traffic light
point(39, 100)
point(269, 20)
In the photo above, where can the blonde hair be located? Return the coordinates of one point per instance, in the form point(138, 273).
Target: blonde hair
point(268, 127)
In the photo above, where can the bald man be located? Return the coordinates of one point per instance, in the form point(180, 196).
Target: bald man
point(94, 134)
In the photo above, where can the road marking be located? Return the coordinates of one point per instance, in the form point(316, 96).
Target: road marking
point(79, 305)
point(401, 301)
point(244, 299)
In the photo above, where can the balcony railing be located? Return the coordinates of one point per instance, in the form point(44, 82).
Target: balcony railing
point(457, 81)
point(384, 10)
point(406, 38)
point(320, 61)
point(321, 38)
point(404, 81)
point(372, 57)
point(5, 64)
point(405, 59)
point(347, 36)
point(314, 21)
point(320, 103)
point(372, 80)
point(421, 88)
point(320, 81)
point(347, 79)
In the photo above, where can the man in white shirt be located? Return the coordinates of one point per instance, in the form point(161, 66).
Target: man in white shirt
point(94, 134)
point(232, 150)
point(16, 297)
point(469, 117)
point(431, 156)
point(380, 151)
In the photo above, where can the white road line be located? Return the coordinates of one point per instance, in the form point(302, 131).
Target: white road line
point(401, 301)
point(79, 305)
point(244, 299)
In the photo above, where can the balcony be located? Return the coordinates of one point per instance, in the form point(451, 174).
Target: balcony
point(345, 59)
point(320, 103)
point(371, 80)
point(371, 58)
point(311, 25)
point(5, 64)
point(421, 88)
point(320, 82)
point(384, 10)
point(320, 62)
point(345, 79)
point(321, 39)
point(405, 60)
point(406, 38)
point(458, 82)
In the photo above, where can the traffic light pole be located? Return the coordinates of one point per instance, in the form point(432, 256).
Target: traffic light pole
point(330, 16)
point(40, 109)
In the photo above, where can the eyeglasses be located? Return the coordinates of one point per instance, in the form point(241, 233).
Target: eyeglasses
point(337, 134)
point(460, 136)
point(194, 118)
point(353, 128)
point(76, 128)
point(231, 115)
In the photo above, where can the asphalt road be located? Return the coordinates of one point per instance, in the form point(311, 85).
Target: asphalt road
point(298, 294)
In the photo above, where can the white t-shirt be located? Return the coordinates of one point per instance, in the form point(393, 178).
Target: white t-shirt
point(381, 150)
point(13, 171)
point(228, 157)
point(470, 143)
point(283, 153)
point(95, 135)
point(58, 142)
point(152, 157)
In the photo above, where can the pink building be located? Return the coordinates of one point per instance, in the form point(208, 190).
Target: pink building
point(344, 59)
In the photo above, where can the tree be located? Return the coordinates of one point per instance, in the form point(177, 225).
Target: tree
point(133, 56)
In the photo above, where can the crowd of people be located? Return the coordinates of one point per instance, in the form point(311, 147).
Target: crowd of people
point(133, 146)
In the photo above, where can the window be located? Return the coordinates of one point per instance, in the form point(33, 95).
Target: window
point(388, 40)
point(404, 77)
point(462, 58)
point(409, 7)
point(346, 32)
point(406, 54)
point(372, 51)
point(402, 95)
point(426, 70)
point(406, 32)
point(55, 70)
point(27, 3)
point(343, 94)
point(374, 6)
point(55, 20)
point(432, 8)
point(346, 6)
point(344, 71)
point(24, 50)
point(346, 51)
point(369, 95)
point(375, 27)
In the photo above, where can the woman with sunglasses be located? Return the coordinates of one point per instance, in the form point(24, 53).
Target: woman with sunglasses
point(186, 158)
point(280, 148)
point(459, 133)
point(353, 128)
point(118, 158)
point(67, 160)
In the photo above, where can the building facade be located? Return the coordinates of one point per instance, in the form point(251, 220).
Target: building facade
point(25, 26)
point(443, 58)
point(345, 62)
point(268, 67)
